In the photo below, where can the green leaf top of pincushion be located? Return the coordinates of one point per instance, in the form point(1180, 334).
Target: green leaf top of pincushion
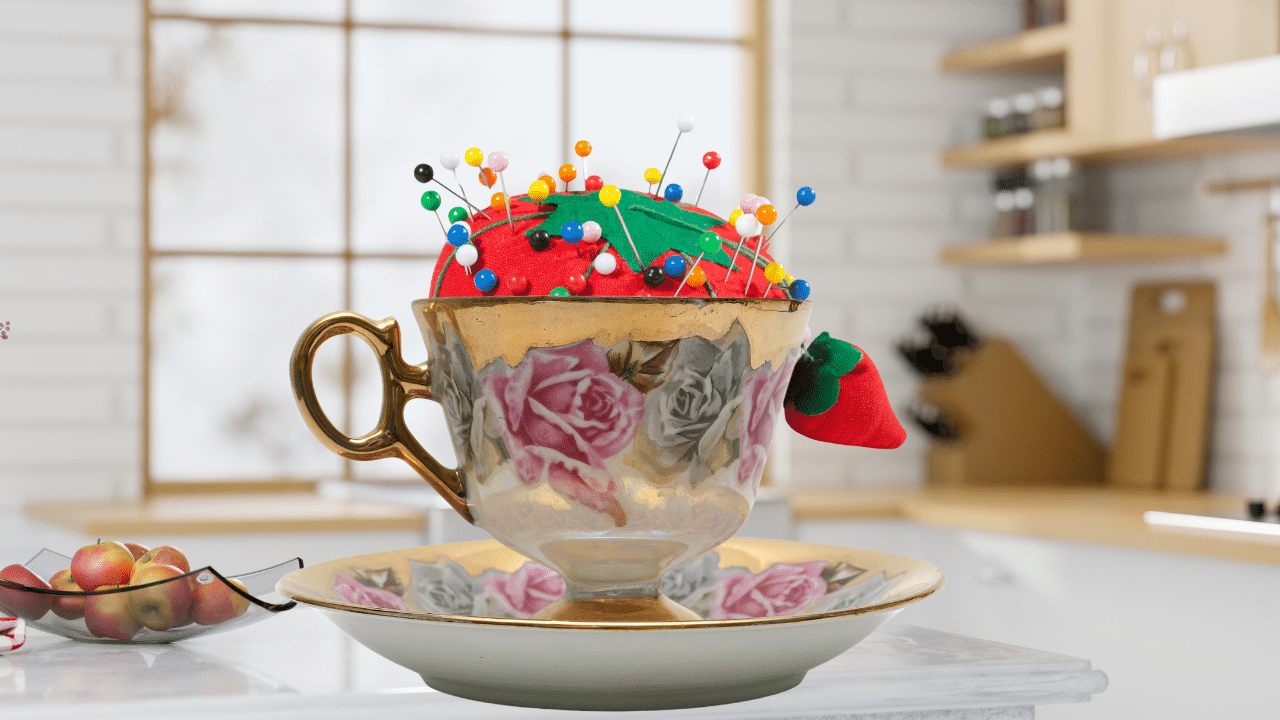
point(657, 226)
point(815, 383)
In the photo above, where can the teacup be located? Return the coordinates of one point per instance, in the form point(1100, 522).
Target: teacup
point(608, 438)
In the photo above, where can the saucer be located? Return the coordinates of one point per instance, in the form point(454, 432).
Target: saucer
point(462, 616)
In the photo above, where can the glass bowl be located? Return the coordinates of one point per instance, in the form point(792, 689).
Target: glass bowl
point(62, 612)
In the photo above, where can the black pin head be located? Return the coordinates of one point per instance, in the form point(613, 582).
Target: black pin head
point(653, 276)
point(423, 173)
point(539, 240)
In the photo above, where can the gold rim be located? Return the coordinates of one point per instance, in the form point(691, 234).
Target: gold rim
point(565, 625)
point(918, 568)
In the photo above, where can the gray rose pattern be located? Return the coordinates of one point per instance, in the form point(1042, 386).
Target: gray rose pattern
point(454, 385)
point(691, 415)
point(693, 583)
point(444, 587)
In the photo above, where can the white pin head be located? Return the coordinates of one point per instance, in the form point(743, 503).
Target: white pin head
point(685, 123)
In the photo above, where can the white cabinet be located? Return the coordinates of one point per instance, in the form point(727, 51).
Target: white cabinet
point(1179, 636)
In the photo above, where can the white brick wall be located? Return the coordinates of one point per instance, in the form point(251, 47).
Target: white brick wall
point(70, 183)
point(871, 111)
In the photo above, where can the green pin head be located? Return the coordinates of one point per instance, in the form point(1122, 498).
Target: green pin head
point(431, 200)
point(709, 243)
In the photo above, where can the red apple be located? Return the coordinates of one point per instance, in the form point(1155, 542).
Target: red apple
point(103, 563)
point(212, 602)
point(162, 606)
point(26, 605)
point(66, 607)
point(108, 615)
point(137, 550)
point(163, 555)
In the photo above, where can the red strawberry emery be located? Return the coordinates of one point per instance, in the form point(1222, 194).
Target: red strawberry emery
point(836, 396)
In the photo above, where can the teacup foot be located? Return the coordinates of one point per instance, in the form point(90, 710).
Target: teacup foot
point(653, 609)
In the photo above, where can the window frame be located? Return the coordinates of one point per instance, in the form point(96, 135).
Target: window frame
point(754, 42)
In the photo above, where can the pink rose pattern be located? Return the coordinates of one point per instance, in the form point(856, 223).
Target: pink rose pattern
point(764, 393)
point(357, 593)
point(783, 589)
point(527, 590)
point(563, 411)
point(713, 592)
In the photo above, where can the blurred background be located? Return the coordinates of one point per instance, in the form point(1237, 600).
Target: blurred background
point(186, 184)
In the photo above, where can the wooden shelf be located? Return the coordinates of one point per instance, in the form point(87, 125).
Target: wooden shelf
point(1039, 50)
point(1023, 149)
point(1082, 248)
point(226, 514)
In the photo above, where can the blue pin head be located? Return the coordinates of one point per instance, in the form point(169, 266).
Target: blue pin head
point(458, 235)
point(571, 231)
point(799, 289)
point(805, 196)
point(486, 280)
point(674, 266)
point(673, 193)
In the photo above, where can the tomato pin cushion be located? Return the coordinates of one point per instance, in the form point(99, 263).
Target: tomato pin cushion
point(606, 241)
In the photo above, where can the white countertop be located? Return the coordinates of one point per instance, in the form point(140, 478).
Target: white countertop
point(299, 665)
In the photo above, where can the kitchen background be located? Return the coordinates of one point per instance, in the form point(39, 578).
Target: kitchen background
point(860, 110)
point(869, 112)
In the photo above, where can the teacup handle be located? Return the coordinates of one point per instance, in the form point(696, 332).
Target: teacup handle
point(401, 382)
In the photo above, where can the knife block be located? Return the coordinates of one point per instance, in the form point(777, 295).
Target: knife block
point(1013, 429)
point(1163, 420)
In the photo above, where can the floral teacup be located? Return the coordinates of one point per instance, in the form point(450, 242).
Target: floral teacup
point(607, 438)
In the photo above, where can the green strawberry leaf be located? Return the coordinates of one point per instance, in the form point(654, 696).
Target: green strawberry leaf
point(656, 226)
point(815, 382)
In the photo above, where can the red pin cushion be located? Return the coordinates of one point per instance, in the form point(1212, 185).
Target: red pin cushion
point(506, 251)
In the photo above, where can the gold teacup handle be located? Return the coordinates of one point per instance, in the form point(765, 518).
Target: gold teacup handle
point(401, 382)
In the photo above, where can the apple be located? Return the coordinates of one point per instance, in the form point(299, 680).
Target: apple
point(137, 550)
point(108, 615)
point(100, 564)
point(163, 555)
point(66, 607)
point(26, 605)
point(163, 606)
point(212, 602)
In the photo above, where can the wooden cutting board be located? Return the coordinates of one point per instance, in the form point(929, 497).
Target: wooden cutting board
point(1163, 417)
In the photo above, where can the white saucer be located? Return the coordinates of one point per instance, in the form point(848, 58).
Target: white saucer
point(459, 616)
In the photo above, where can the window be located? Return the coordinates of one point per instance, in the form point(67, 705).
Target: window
point(281, 136)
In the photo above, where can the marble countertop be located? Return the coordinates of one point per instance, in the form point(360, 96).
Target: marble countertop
point(299, 665)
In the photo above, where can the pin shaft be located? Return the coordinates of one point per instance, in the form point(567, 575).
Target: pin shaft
point(455, 194)
point(668, 166)
point(704, 187)
point(639, 262)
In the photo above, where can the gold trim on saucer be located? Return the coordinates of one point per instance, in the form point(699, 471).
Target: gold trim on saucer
point(754, 554)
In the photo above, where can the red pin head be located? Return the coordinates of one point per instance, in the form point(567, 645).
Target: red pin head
point(711, 160)
point(594, 183)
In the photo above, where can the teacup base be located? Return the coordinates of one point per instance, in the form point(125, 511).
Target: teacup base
point(652, 609)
